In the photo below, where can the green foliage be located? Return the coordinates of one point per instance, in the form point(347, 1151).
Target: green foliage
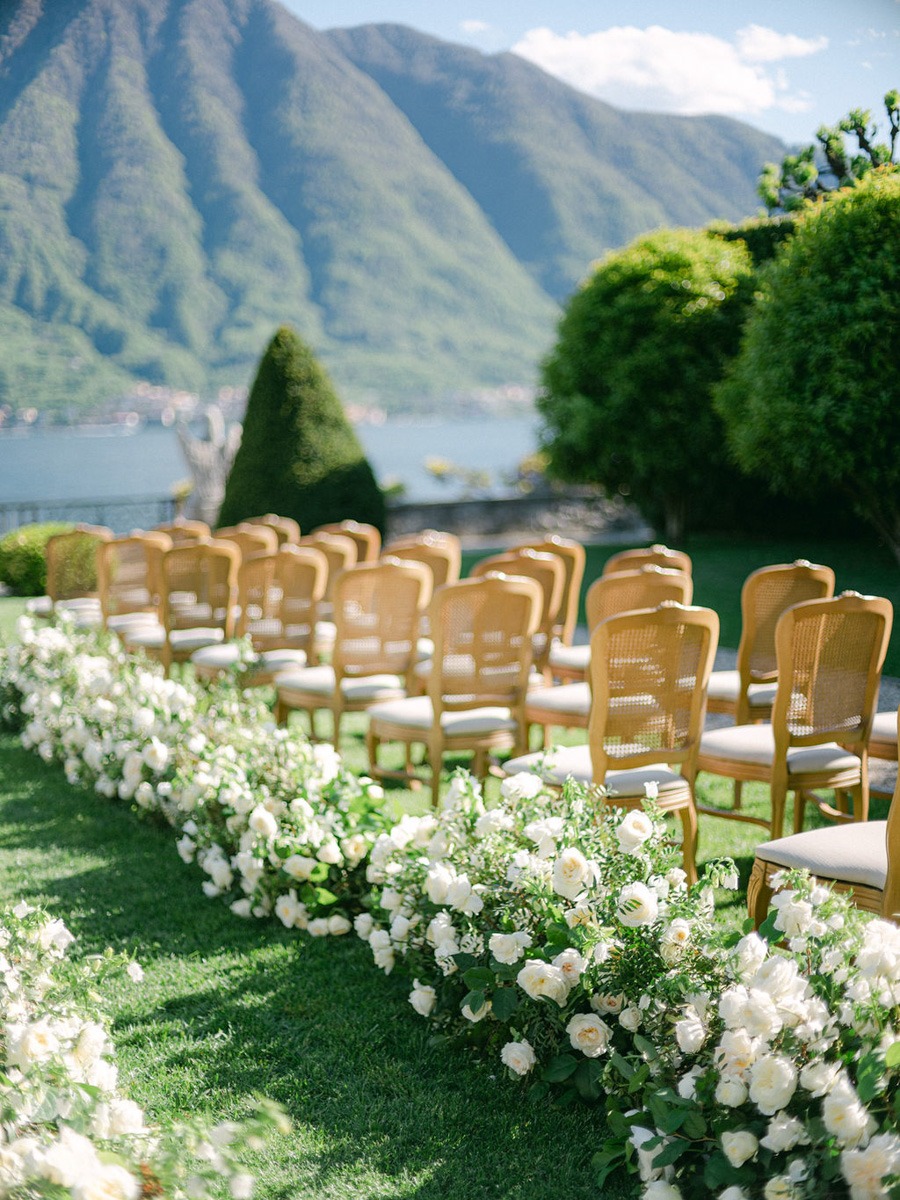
point(761, 235)
point(23, 567)
point(813, 400)
point(299, 456)
point(816, 170)
point(626, 400)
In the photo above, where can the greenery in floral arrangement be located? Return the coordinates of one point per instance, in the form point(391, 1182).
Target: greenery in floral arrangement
point(276, 824)
point(68, 1131)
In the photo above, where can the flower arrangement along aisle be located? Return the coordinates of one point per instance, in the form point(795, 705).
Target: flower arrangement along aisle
point(276, 824)
point(557, 934)
point(67, 1130)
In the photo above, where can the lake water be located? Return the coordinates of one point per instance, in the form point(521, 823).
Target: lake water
point(70, 464)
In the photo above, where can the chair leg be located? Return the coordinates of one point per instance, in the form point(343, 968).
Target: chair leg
point(778, 790)
point(372, 743)
point(689, 843)
point(435, 748)
point(738, 790)
point(799, 810)
point(759, 893)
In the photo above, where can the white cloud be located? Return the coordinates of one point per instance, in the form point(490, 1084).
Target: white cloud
point(664, 70)
point(474, 26)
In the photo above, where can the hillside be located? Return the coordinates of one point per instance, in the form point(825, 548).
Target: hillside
point(179, 177)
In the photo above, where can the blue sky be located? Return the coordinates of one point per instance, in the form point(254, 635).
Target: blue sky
point(786, 66)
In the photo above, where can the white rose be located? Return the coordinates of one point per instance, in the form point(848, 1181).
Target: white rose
point(733, 1193)
point(779, 1187)
point(588, 1034)
point(753, 1010)
point(363, 924)
point(865, 1169)
point(571, 963)
point(630, 1018)
point(518, 1056)
point(660, 1189)
point(521, 786)
point(845, 1117)
point(773, 1081)
point(634, 831)
point(731, 1092)
point(675, 938)
point(507, 948)
point(437, 883)
point(607, 1004)
point(638, 905)
point(542, 980)
point(690, 1031)
point(494, 820)
point(479, 1014)
point(571, 873)
point(400, 927)
point(262, 822)
point(338, 925)
point(423, 998)
point(107, 1181)
point(738, 1145)
point(318, 927)
point(242, 907)
point(330, 854)
point(784, 1133)
point(819, 1077)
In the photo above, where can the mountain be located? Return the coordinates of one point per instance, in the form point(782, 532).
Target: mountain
point(179, 177)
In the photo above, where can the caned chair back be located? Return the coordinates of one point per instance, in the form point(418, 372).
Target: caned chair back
point(441, 553)
point(573, 557)
point(647, 587)
point(891, 902)
point(278, 597)
point(250, 539)
point(199, 586)
point(182, 530)
point(549, 572)
point(656, 555)
point(129, 573)
point(483, 630)
point(367, 537)
point(829, 656)
point(72, 562)
point(764, 597)
point(649, 670)
point(286, 528)
point(340, 551)
point(377, 609)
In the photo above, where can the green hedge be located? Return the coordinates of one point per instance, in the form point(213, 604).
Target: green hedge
point(23, 566)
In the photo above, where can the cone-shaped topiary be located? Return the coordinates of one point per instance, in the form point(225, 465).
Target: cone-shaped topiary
point(299, 456)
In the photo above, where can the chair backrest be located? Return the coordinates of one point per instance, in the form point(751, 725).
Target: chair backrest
point(891, 900)
point(286, 528)
point(71, 559)
point(340, 551)
point(829, 655)
point(129, 572)
point(482, 630)
point(549, 572)
point(656, 555)
point(441, 552)
point(182, 530)
point(278, 597)
point(764, 597)
point(646, 587)
point(199, 586)
point(649, 672)
point(377, 609)
point(367, 537)
point(250, 539)
point(573, 556)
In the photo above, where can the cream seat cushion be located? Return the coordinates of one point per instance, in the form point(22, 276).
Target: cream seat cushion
point(121, 622)
point(755, 744)
point(725, 685)
point(227, 655)
point(319, 681)
point(568, 698)
point(557, 765)
point(416, 712)
point(852, 853)
point(572, 658)
point(153, 637)
point(884, 727)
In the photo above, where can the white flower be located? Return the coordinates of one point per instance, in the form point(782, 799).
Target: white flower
point(479, 1014)
point(544, 834)
point(299, 866)
point(338, 925)
point(845, 1117)
point(330, 853)
point(864, 1169)
point(571, 873)
point(634, 830)
point(507, 948)
point(690, 1031)
point(638, 905)
point(779, 1187)
point(753, 1010)
point(773, 1081)
point(518, 1056)
point(156, 755)
point(738, 1145)
point(794, 916)
point(363, 924)
point(423, 998)
point(676, 936)
point(784, 1133)
point(262, 822)
point(607, 1004)
point(437, 883)
point(289, 910)
point(543, 980)
point(588, 1034)
point(731, 1092)
point(733, 1193)
point(571, 963)
point(107, 1181)
point(660, 1189)
point(135, 972)
point(630, 1019)
point(495, 819)
point(521, 786)
point(819, 1077)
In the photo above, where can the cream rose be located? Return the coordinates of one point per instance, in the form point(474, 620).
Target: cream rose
point(637, 905)
point(634, 831)
point(773, 1081)
point(589, 1034)
point(518, 1056)
point(739, 1145)
point(423, 998)
point(571, 873)
point(541, 980)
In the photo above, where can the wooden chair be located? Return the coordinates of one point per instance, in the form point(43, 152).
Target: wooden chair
point(376, 616)
point(646, 587)
point(278, 599)
point(828, 656)
point(341, 552)
point(482, 631)
point(72, 585)
point(573, 556)
point(129, 578)
point(441, 552)
point(549, 572)
point(250, 539)
point(197, 603)
point(648, 675)
point(655, 555)
point(367, 537)
point(748, 692)
point(286, 528)
point(862, 858)
point(182, 530)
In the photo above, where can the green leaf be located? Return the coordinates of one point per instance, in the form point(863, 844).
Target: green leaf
point(622, 1065)
point(639, 1078)
point(694, 1126)
point(560, 1068)
point(475, 1000)
point(538, 1092)
point(587, 1079)
point(465, 961)
point(670, 1153)
point(870, 1078)
point(505, 1001)
point(892, 1057)
point(323, 896)
point(646, 1047)
point(768, 931)
point(479, 977)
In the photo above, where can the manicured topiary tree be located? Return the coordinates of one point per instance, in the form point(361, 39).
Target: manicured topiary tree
point(299, 456)
point(813, 400)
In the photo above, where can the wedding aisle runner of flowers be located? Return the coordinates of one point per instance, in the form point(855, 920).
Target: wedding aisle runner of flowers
point(554, 934)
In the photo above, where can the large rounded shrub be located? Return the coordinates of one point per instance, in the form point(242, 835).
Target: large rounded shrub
point(813, 399)
point(299, 456)
point(23, 565)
